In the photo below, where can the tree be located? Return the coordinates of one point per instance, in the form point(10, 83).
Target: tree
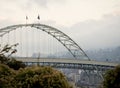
point(12, 63)
point(40, 77)
point(6, 76)
point(13, 74)
point(5, 58)
point(112, 78)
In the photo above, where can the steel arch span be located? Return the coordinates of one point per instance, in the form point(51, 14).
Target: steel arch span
point(64, 39)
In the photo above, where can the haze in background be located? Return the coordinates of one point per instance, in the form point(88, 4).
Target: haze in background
point(93, 24)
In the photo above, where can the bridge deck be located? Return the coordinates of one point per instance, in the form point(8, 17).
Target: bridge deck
point(71, 61)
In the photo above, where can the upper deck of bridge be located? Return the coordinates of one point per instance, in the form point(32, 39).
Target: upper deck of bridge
point(71, 61)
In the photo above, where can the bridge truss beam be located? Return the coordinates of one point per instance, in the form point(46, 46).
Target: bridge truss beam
point(64, 39)
point(89, 67)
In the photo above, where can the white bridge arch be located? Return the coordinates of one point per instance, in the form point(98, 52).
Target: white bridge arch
point(64, 39)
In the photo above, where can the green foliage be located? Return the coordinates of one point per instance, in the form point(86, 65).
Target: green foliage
point(32, 77)
point(13, 74)
point(6, 76)
point(12, 63)
point(112, 78)
point(5, 54)
point(40, 77)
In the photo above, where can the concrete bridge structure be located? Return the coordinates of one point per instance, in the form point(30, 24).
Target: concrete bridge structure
point(69, 63)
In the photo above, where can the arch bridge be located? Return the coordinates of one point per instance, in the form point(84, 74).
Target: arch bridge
point(64, 39)
point(80, 58)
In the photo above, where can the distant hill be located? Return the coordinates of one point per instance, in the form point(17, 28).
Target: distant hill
point(111, 54)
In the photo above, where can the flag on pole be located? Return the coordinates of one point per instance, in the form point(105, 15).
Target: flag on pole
point(38, 17)
point(26, 17)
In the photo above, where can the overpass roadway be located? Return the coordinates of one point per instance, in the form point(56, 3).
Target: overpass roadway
point(69, 63)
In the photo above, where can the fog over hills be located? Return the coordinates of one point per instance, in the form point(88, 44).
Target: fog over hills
point(109, 54)
point(96, 34)
point(93, 24)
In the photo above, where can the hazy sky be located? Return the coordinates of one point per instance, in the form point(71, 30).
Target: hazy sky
point(91, 23)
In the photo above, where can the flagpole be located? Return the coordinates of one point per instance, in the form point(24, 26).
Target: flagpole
point(26, 19)
point(38, 18)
